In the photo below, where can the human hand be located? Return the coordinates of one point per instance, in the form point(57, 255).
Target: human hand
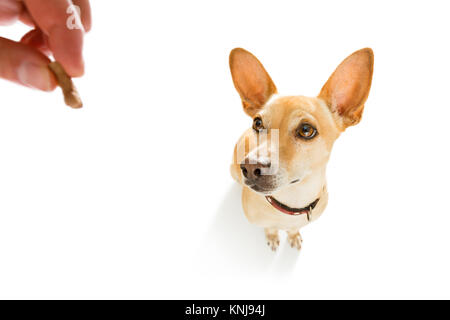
point(26, 62)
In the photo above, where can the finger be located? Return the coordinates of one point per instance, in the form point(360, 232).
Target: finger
point(66, 44)
point(38, 40)
point(85, 11)
point(25, 65)
point(10, 11)
point(26, 18)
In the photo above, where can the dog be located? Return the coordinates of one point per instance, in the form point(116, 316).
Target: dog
point(281, 160)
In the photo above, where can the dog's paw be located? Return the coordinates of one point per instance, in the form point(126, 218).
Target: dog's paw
point(295, 240)
point(273, 241)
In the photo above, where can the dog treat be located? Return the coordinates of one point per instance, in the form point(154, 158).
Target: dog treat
point(71, 96)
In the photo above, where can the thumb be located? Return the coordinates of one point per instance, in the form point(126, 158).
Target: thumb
point(25, 65)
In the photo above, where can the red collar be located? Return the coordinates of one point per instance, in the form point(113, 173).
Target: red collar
point(292, 211)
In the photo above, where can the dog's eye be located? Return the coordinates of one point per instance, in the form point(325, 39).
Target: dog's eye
point(306, 131)
point(258, 124)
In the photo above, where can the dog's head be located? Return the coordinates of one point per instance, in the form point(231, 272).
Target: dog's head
point(292, 136)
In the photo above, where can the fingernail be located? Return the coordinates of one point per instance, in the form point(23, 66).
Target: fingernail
point(35, 76)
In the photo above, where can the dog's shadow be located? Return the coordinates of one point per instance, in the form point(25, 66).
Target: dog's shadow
point(232, 243)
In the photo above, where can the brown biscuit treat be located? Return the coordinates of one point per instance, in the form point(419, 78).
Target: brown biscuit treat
point(71, 96)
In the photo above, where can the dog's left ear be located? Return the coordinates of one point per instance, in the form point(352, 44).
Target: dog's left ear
point(347, 89)
point(251, 80)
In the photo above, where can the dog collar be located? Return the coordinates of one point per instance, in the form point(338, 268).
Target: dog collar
point(293, 211)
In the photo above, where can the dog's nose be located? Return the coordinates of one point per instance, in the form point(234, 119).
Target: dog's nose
point(253, 171)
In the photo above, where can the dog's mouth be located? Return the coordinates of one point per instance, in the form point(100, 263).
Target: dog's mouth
point(266, 190)
point(260, 189)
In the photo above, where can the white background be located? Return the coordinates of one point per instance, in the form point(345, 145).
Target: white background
point(131, 196)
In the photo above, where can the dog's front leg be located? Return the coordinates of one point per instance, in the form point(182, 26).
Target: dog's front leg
point(295, 239)
point(273, 241)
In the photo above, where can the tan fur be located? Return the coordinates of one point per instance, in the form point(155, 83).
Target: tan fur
point(251, 80)
point(339, 105)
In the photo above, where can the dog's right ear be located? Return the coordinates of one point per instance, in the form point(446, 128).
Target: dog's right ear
point(251, 80)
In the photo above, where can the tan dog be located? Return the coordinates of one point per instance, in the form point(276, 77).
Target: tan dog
point(281, 161)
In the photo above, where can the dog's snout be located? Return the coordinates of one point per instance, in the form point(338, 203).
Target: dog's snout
point(253, 171)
